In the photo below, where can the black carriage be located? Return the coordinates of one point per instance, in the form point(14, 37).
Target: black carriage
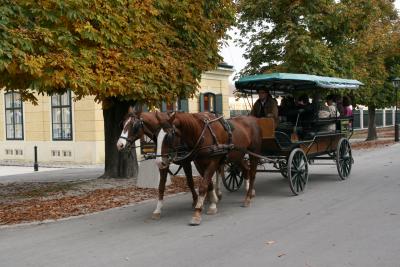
point(291, 146)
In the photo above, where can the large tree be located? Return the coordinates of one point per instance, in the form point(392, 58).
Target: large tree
point(349, 39)
point(121, 51)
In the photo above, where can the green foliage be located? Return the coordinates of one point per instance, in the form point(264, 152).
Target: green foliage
point(348, 39)
point(140, 50)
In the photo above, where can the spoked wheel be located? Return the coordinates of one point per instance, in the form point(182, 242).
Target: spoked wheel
point(297, 171)
point(233, 177)
point(344, 159)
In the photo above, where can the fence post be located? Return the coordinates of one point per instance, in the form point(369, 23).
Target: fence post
point(361, 118)
point(35, 165)
point(384, 117)
point(393, 116)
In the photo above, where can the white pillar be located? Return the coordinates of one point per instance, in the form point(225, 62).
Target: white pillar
point(384, 117)
point(361, 118)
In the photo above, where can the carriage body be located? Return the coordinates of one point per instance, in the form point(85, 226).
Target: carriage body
point(291, 148)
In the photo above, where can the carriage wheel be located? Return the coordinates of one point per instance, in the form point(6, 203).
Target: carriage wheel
point(344, 159)
point(297, 171)
point(233, 177)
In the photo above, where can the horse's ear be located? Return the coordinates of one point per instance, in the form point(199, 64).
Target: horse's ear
point(158, 116)
point(171, 117)
point(131, 109)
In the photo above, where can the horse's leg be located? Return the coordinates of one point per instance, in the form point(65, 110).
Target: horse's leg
point(251, 177)
point(207, 170)
point(161, 188)
point(212, 196)
point(219, 175)
point(246, 175)
point(187, 167)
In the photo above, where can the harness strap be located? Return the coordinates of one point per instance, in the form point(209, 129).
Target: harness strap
point(207, 125)
point(173, 174)
point(212, 132)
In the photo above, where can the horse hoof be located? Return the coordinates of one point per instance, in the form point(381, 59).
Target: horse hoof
point(212, 211)
point(156, 216)
point(246, 204)
point(195, 221)
point(253, 193)
point(219, 196)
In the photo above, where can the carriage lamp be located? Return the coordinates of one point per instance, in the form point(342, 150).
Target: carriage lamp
point(396, 85)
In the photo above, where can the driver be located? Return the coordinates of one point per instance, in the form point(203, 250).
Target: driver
point(265, 106)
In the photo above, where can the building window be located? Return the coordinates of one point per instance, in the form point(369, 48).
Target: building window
point(171, 106)
point(14, 116)
point(61, 116)
point(209, 102)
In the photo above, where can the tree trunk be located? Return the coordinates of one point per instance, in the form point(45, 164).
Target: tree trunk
point(117, 164)
point(372, 135)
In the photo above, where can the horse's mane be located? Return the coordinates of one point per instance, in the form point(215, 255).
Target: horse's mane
point(193, 121)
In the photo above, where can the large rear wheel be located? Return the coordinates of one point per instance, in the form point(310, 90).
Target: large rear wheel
point(344, 159)
point(233, 179)
point(297, 171)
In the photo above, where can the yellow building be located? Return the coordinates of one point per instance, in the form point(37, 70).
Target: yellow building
point(73, 132)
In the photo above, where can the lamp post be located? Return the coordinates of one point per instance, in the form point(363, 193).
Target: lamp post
point(396, 85)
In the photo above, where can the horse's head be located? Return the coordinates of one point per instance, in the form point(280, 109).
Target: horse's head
point(132, 129)
point(168, 139)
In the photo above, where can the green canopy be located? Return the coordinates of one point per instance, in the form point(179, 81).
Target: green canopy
point(292, 82)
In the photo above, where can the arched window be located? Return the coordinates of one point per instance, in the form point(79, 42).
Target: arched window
point(14, 116)
point(61, 115)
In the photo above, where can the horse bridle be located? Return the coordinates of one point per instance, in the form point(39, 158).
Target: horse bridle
point(138, 124)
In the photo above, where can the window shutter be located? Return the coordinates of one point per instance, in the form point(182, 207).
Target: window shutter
point(163, 106)
point(218, 104)
point(184, 105)
point(201, 104)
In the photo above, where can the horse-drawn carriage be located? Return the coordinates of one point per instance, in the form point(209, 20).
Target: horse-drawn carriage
point(242, 142)
point(291, 146)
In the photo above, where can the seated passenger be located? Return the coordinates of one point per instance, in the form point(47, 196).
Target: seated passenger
point(328, 111)
point(347, 107)
point(332, 106)
point(265, 106)
point(287, 104)
point(302, 110)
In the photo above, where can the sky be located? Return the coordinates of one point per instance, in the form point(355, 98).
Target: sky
point(232, 54)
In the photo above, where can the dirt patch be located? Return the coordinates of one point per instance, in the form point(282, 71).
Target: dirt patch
point(27, 202)
point(372, 144)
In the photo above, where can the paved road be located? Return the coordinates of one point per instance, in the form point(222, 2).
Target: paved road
point(335, 223)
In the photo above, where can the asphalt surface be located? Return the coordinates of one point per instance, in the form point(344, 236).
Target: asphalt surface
point(334, 223)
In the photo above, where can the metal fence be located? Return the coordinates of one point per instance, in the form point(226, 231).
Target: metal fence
point(383, 118)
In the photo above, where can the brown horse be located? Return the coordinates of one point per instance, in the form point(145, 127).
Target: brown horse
point(211, 141)
point(135, 126)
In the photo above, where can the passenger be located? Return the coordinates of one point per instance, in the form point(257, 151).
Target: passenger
point(332, 106)
point(347, 107)
point(338, 101)
point(287, 104)
point(305, 108)
point(265, 106)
